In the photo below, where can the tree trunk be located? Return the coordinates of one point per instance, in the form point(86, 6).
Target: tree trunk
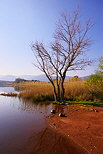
point(58, 92)
point(62, 91)
point(55, 94)
point(55, 97)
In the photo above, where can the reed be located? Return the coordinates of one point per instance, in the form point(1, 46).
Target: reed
point(37, 91)
point(75, 89)
point(9, 94)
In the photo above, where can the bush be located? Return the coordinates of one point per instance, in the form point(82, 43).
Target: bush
point(95, 80)
point(95, 84)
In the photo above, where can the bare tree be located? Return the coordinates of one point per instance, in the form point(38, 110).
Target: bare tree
point(66, 53)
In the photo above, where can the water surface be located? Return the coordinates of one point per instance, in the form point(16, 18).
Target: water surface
point(19, 120)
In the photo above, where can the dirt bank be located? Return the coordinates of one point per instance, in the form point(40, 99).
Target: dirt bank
point(82, 126)
point(50, 141)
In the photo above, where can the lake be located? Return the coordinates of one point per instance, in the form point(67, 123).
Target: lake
point(20, 120)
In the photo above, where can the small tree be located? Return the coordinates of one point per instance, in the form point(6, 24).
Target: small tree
point(71, 41)
point(95, 82)
point(100, 67)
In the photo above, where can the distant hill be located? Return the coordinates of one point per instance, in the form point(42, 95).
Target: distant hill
point(7, 77)
point(26, 77)
point(30, 77)
point(4, 83)
point(85, 77)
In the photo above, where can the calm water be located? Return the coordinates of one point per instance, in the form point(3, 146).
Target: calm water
point(19, 120)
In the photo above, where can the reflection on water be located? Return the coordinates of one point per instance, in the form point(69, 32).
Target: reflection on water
point(18, 120)
point(18, 88)
point(6, 89)
point(37, 107)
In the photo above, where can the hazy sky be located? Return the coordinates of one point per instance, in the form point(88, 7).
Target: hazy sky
point(24, 21)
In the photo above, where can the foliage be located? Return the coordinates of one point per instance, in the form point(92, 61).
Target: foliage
point(18, 80)
point(100, 67)
point(95, 82)
point(93, 103)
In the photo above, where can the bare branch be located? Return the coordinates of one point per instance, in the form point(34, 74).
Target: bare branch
point(71, 41)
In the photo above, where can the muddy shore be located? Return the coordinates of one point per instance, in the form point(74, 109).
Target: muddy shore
point(82, 128)
point(53, 142)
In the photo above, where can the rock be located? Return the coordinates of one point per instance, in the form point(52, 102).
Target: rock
point(53, 111)
point(61, 115)
point(95, 110)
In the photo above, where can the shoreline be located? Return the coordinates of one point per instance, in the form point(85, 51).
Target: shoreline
point(53, 142)
point(83, 125)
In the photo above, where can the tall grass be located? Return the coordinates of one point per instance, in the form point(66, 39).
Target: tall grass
point(75, 89)
point(37, 90)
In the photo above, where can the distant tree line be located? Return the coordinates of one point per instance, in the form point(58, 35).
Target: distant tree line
point(18, 80)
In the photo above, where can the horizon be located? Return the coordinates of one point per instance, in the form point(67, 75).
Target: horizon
point(41, 77)
point(34, 75)
point(25, 21)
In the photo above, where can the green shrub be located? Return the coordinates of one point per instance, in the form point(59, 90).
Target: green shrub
point(95, 84)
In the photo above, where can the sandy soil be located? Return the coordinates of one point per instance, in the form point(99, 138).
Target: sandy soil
point(82, 127)
point(50, 141)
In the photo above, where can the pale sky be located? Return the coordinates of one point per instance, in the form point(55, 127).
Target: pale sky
point(24, 21)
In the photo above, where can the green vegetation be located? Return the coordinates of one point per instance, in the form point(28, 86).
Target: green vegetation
point(100, 67)
point(92, 103)
point(43, 99)
point(95, 82)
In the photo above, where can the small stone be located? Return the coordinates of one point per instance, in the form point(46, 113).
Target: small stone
point(53, 111)
point(95, 110)
point(61, 115)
